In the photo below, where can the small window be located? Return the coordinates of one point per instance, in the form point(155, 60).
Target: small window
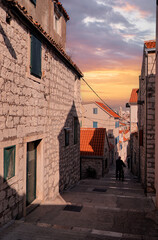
point(35, 57)
point(9, 162)
point(34, 2)
point(116, 124)
point(117, 140)
point(75, 130)
point(95, 124)
point(57, 25)
point(95, 110)
point(66, 137)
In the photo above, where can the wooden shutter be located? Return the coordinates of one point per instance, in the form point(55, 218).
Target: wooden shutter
point(35, 57)
point(9, 162)
point(33, 1)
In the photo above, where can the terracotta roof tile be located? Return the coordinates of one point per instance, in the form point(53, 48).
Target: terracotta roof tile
point(125, 139)
point(108, 110)
point(62, 9)
point(134, 96)
point(150, 44)
point(122, 124)
point(38, 26)
point(92, 141)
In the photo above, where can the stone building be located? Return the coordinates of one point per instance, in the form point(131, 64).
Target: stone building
point(146, 117)
point(95, 152)
point(39, 106)
point(156, 110)
point(99, 115)
point(133, 143)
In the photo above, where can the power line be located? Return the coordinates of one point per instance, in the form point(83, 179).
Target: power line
point(96, 94)
point(100, 97)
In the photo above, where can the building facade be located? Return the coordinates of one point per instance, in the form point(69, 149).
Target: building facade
point(156, 111)
point(146, 117)
point(95, 152)
point(99, 115)
point(39, 110)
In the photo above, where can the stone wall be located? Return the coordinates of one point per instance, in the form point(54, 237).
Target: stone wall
point(34, 109)
point(150, 134)
point(87, 164)
point(146, 124)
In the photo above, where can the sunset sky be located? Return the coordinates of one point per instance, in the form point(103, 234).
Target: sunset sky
point(105, 39)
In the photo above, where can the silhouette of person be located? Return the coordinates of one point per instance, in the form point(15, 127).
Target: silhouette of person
point(119, 169)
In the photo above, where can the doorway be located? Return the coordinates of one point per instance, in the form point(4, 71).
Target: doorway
point(31, 172)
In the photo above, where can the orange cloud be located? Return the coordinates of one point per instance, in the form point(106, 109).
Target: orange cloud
point(111, 85)
point(129, 7)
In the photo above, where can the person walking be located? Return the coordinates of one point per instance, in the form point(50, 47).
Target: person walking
point(119, 169)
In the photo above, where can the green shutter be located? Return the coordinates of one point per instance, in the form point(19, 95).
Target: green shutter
point(33, 1)
point(9, 162)
point(35, 56)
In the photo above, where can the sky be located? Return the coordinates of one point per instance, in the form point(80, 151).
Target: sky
point(105, 38)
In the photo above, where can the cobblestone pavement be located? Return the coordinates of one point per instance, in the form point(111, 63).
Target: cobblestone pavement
point(92, 210)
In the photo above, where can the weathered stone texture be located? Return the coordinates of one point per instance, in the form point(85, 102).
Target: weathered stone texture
point(31, 107)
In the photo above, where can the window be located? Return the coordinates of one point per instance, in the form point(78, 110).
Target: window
point(57, 25)
point(9, 162)
point(95, 110)
point(117, 140)
point(75, 130)
point(66, 137)
point(95, 124)
point(116, 124)
point(33, 1)
point(35, 57)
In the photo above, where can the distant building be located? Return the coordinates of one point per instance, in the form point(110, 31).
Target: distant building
point(94, 152)
point(133, 162)
point(99, 115)
point(146, 117)
point(133, 110)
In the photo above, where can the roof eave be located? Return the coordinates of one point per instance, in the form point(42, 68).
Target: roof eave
point(27, 22)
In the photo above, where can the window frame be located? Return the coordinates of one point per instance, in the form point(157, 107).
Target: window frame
point(35, 70)
point(34, 2)
point(5, 174)
point(94, 124)
point(95, 110)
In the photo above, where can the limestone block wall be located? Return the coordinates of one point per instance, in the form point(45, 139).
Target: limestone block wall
point(34, 109)
point(93, 163)
point(147, 125)
point(150, 134)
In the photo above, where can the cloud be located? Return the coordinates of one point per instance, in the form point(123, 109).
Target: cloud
point(107, 35)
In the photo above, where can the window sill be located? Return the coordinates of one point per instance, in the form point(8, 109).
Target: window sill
point(35, 79)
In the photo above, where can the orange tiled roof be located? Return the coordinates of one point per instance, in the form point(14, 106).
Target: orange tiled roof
point(62, 9)
point(125, 139)
point(23, 11)
point(134, 96)
point(108, 110)
point(150, 44)
point(121, 131)
point(92, 141)
point(122, 124)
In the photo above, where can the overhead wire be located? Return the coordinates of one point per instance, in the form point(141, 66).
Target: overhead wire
point(100, 97)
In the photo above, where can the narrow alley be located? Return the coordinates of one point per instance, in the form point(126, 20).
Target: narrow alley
point(92, 210)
